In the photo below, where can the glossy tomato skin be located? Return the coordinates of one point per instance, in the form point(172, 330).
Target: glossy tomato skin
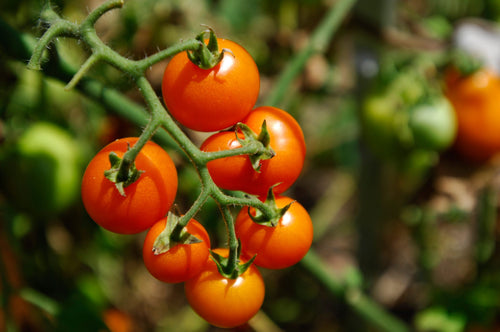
point(181, 262)
point(276, 247)
point(211, 99)
point(225, 302)
point(146, 201)
point(237, 173)
point(475, 101)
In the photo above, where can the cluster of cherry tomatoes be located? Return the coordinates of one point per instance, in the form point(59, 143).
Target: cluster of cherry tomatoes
point(220, 100)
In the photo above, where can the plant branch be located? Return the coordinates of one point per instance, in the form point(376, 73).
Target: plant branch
point(232, 240)
point(190, 44)
point(92, 18)
point(158, 112)
point(59, 28)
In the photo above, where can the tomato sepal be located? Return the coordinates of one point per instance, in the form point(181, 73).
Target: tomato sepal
point(206, 56)
point(277, 213)
point(250, 137)
point(167, 239)
point(121, 173)
point(224, 268)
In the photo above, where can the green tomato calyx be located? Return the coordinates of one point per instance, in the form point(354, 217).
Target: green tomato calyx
point(206, 56)
point(227, 268)
point(171, 236)
point(122, 172)
point(263, 140)
point(277, 213)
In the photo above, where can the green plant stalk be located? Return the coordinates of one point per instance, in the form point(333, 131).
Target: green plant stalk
point(317, 44)
point(247, 149)
point(233, 243)
point(93, 16)
point(191, 212)
point(373, 312)
point(348, 290)
point(130, 155)
point(161, 116)
point(60, 28)
point(89, 63)
point(190, 44)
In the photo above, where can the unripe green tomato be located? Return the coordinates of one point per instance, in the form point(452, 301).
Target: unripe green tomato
point(41, 172)
point(383, 125)
point(433, 125)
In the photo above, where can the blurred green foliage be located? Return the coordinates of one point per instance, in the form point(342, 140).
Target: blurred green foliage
point(425, 241)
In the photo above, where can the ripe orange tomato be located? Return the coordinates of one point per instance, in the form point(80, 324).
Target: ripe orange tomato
point(118, 321)
point(181, 262)
point(211, 99)
point(276, 247)
point(475, 100)
point(147, 200)
point(225, 302)
point(237, 173)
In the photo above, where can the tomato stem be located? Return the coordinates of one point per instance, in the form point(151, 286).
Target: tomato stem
point(100, 11)
point(184, 219)
point(233, 244)
point(270, 219)
point(255, 146)
point(168, 238)
point(190, 44)
point(89, 63)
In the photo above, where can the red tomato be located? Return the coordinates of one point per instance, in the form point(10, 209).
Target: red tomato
point(225, 302)
point(211, 99)
point(147, 200)
point(276, 247)
point(181, 262)
point(475, 100)
point(237, 173)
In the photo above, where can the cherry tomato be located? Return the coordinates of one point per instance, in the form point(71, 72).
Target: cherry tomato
point(276, 247)
point(146, 201)
point(237, 173)
point(225, 302)
point(181, 262)
point(211, 99)
point(433, 125)
point(118, 321)
point(475, 100)
point(392, 129)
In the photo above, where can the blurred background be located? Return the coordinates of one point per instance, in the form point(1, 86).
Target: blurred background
point(403, 206)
